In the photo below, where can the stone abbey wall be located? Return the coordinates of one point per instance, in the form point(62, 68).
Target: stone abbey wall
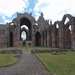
point(2, 34)
point(39, 33)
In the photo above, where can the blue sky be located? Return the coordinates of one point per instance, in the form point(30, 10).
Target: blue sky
point(52, 9)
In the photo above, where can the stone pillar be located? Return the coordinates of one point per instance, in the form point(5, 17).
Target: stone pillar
point(53, 36)
point(73, 35)
point(48, 39)
point(42, 40)
point(33, 39)
point(18, 31)
point(61, 37)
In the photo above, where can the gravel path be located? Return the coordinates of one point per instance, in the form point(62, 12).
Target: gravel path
point(27, 65)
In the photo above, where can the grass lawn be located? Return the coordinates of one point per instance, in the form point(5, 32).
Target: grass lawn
point(25, 49)
point(63, 64)
point(7, 59)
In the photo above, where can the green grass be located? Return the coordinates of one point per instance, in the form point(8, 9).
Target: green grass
point(25, 49)
point(7, 59)
point(63, 64)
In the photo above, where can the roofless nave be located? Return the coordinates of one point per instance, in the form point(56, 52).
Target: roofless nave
point(43, 34)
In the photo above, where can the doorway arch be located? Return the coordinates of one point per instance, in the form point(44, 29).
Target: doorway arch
point(38, 39)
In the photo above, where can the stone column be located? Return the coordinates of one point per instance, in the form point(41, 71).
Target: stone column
point(48, 39)
point(73, 35)
point(42, 40)
point(61, 37)
point(33, 39)
point(53, 36)
point(18, 31)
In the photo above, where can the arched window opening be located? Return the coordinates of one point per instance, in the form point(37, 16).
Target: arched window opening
point(24, 26)
point(23, 35)
point(66, 20)
point(36, 23)
point(57, 26)
point(12, 24)
point(70, 28)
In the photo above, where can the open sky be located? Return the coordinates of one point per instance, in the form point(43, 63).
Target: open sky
point(52, 9)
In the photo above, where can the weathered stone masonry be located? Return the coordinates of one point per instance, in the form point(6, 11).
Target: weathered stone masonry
point(39, 33)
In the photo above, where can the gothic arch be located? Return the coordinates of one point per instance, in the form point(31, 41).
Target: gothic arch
point(25, 21)
point(27, 33)
point(56, 22)
point(70, 17)
point(67, 33)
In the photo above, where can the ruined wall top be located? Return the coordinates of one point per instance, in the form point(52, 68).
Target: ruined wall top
point(26, 15)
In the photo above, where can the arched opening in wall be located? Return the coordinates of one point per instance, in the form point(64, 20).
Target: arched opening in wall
point(57, 26)
point(25, 23)
point(66, 20)
point(70, 28)
point(57, 36)
point(38, 39)
point(23, 35)
point(11, 39)
point(24, 26)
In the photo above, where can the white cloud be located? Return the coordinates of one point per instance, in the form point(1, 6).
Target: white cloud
point(3, 17)
point(54, 9)
point(30, 10)
point(7, 21)
point(9, 7)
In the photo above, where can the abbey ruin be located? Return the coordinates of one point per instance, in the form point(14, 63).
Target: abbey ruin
point(39, 33)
